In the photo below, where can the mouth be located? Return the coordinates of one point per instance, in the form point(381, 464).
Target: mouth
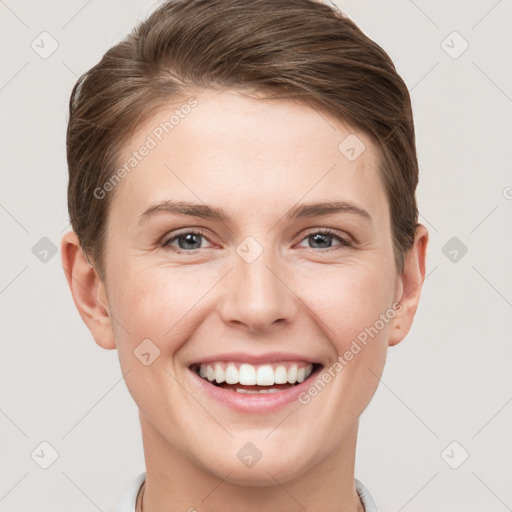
point(250, 379)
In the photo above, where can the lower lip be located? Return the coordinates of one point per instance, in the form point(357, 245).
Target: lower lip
point(254, 402)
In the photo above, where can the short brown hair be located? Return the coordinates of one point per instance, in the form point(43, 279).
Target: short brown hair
point(303, 50)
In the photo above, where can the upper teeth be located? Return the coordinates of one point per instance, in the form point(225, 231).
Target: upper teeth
point(261, 375)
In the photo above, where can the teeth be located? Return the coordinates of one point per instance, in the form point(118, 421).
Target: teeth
point(281, 375)
point(247, 375)
point(219, 373)
point(252, 392)
point(250, 375)
point(292, 374)
point(231, 374)
point(265, 376)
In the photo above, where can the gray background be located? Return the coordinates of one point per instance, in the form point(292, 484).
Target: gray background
point(448, 381)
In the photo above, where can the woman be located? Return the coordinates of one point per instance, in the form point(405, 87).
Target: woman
point(242, 197)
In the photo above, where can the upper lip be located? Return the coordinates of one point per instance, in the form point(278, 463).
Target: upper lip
point(268, 357)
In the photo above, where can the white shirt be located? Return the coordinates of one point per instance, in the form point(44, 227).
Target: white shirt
point(127, 503)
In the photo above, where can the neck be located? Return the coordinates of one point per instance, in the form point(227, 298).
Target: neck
point(174, 480)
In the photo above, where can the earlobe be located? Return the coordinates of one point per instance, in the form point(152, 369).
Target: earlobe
point(88, 291)
point(410, 285)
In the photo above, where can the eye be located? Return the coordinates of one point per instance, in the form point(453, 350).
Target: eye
point(322, 239)
point(187, 241)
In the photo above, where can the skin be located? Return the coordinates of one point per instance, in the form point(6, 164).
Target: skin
point(256, 159)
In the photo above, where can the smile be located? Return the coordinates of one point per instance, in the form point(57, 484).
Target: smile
point(255, 378)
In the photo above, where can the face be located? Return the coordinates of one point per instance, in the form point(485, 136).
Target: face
point(251, 281)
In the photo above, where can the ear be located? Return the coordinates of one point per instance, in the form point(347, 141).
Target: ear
point(409, 286)
point(88, 291)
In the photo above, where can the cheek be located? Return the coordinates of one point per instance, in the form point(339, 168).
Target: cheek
point(156, 303)
point(348, 300)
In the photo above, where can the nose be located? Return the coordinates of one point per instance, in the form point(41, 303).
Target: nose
point(257, 295)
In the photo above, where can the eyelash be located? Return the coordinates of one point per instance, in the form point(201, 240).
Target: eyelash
point(345, 241)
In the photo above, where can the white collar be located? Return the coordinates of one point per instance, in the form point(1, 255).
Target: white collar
point(127, 503)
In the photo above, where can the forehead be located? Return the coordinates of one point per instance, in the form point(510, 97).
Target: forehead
point(233, 151)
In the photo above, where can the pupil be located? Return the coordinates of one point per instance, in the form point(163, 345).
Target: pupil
point(318, 238)
point(189, 239)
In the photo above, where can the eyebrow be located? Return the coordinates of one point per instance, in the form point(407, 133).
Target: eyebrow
point(208, 212)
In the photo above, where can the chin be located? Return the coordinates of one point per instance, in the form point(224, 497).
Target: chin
point(277, 465)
